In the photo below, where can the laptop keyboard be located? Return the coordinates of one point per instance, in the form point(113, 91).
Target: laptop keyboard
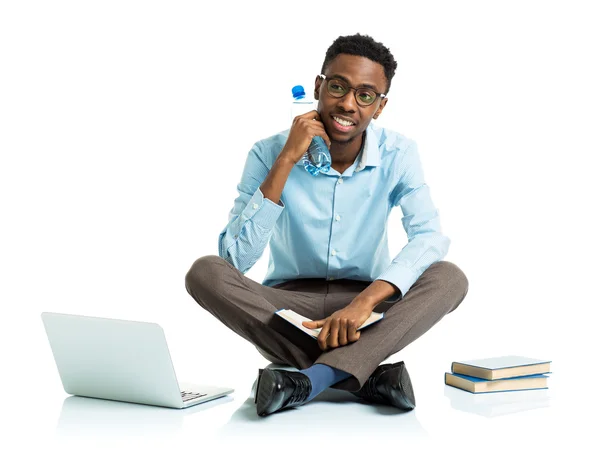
point(187, 396)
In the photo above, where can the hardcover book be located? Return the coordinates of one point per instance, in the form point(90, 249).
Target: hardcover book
point(501, 367)
point(296, 319)
point(478, 385)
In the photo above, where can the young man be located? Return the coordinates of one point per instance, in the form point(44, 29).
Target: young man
point(329, 258)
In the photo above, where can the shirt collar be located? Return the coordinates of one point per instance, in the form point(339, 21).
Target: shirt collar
point(369, 156)
point(370, 153)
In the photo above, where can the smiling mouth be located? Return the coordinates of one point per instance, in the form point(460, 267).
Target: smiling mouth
point(342, 126)
point(342, 121)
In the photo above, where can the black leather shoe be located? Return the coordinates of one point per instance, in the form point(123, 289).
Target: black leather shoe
point(280, 389)
point(389, 384)
point(257, 383)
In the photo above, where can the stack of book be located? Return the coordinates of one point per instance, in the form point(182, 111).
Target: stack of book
point(499, 374)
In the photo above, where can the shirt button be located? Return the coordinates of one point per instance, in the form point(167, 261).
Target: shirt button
point(337, 218)
point(340, 180)
point(333, 252)
point(254, 206)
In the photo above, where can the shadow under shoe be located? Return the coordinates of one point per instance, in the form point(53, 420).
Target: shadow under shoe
point(280, 389)
point(389, 384)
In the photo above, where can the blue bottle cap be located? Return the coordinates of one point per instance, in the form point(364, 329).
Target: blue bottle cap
point(298, 92)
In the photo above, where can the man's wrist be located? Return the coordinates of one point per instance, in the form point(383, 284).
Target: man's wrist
point(365, 302)
point(284, 159)
point(377, 292)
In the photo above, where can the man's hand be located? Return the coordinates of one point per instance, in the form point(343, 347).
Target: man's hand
point(304, 128)
point(339, 329)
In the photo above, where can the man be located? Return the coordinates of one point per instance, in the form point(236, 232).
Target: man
point(329, 258)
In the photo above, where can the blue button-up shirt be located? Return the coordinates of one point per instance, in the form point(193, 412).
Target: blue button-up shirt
point(333, 225)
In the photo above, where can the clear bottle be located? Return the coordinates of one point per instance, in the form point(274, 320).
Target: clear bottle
point(317, 158)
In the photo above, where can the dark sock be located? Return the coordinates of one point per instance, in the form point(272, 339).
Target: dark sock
point(323, 376)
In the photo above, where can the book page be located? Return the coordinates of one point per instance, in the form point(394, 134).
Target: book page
point(297, 319)
point(374, 317)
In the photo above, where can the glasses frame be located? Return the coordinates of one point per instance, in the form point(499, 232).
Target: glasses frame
point(379, 95)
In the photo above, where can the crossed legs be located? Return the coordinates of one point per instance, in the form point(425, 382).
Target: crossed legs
point(248, 308)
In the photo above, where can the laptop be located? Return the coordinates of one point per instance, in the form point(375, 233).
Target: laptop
point(120, 360)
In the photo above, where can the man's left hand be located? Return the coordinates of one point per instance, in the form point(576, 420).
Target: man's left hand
point(339, 329)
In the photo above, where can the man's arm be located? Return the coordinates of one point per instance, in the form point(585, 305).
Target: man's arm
point(426, 245)
point(253, 217)
point(256, 210)
point(273, 185)
point(421, 221)
point(304, 128)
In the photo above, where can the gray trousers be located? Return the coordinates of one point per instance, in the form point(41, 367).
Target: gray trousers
point(248, 308)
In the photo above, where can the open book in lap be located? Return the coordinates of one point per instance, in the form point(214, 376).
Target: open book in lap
point(296, 319)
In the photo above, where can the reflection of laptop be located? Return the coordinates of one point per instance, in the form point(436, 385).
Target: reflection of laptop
point(81, 417)
point(119, 360)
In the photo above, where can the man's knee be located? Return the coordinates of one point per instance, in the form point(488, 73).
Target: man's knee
point(456, 281)
point(203, 272)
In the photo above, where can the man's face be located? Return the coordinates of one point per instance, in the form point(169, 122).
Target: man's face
point(356, 72)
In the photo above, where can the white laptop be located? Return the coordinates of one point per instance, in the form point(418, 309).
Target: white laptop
point(119, 360)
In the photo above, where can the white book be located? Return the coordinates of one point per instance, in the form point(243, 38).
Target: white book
point(296, 319)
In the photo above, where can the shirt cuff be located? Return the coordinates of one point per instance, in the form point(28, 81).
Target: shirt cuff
point(401, 276)
point(262, 211)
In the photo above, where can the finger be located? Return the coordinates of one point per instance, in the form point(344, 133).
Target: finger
point(333, 341)
point(326, 139)
point(353, 334)
point(313, 324)
point(343, 333)
point(322, 338)
point(311, 115)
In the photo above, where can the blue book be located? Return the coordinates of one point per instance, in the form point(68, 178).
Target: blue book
point(508, 366)
point(478, 385)
point(296, 319)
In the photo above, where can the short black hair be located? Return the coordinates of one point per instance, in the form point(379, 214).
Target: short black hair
point(363, 46)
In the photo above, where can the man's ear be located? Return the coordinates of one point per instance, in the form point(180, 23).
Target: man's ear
point(318, 82)
point(380, 108)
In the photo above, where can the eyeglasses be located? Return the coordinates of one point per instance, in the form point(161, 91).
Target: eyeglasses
point(338, 89)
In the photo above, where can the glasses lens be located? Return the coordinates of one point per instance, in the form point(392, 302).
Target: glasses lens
point(365, 97)
point(336, 88)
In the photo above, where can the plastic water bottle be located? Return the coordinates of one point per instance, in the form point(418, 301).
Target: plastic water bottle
point(317, 158)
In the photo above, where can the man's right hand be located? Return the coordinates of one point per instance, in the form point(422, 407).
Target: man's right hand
point(304, 128)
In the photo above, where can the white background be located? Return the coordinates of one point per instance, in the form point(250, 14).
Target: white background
point(124, 128)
